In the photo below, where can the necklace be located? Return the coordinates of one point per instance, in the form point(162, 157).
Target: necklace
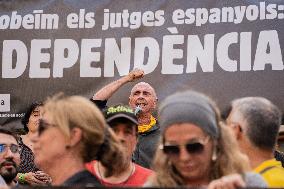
point(120, 183)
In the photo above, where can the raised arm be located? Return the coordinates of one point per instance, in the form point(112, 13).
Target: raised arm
point(107, 91)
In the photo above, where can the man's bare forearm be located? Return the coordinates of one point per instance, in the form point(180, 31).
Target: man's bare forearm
point(107, 91)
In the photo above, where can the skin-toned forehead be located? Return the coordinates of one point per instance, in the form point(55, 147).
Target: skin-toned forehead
point(144, 86)
point(183, 133)
point(7, 139)
point(124, 123)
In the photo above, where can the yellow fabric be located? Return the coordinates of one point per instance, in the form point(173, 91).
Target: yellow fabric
point(274, 176)
point(147, 127)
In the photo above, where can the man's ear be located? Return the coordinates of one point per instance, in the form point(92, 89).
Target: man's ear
point(156, 102)
point(238, 131)
point(75, 136)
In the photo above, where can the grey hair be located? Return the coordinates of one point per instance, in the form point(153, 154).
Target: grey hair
point(262, 120)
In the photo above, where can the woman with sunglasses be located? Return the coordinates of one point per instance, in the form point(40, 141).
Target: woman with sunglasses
point(28, 172)
point(71, 133)
point(196, 149)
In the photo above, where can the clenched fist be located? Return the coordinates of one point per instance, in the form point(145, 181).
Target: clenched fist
point(135, 75)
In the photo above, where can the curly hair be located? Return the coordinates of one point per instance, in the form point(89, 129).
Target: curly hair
point(29, 111)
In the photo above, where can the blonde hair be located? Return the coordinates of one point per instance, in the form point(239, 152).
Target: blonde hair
point(98, 140)
point(229, 159)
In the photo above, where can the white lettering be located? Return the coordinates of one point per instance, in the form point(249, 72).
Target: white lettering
point(268, 51)
point(153, 49)
point(9, 46)
point(66, 52)
point(37, 57)
point(169, 53)
point(222, 52)
point(196, 52)
point(115, 56)
point(89, 57)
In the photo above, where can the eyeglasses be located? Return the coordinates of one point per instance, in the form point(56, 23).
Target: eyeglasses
point(43, 125)
point(13, 148)
point(196, 147)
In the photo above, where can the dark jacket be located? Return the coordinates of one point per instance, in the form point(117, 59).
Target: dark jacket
point(146, 147)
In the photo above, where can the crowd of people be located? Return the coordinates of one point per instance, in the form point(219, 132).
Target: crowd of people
point(75, 141)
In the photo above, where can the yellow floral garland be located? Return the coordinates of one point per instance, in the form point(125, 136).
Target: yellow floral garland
point(147, 127)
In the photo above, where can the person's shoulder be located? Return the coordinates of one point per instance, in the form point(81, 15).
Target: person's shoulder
point(254, 180)
point(143, 172)
point(2, 182)
point(143, 169)
point(141, 175)
point(150, 181)
point(155, 130)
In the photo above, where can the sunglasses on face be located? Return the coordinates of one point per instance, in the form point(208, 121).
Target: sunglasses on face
point(43, 125)
point(13, 148)
point(196, 147)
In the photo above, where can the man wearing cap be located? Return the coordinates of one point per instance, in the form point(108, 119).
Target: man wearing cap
point(124, 123)
point(255, 122)
point(9, 157)
point(143, 101)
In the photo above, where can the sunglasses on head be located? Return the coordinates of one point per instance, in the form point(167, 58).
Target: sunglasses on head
point(196, 147)
point(13, 148)
point(43, 125)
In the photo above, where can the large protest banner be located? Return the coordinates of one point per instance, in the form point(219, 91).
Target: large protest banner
point(226, 49)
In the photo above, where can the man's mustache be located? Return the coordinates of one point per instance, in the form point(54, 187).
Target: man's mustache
point(11, 162)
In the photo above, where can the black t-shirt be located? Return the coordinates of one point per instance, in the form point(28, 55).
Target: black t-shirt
point(101, 104)
point(84, 179)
